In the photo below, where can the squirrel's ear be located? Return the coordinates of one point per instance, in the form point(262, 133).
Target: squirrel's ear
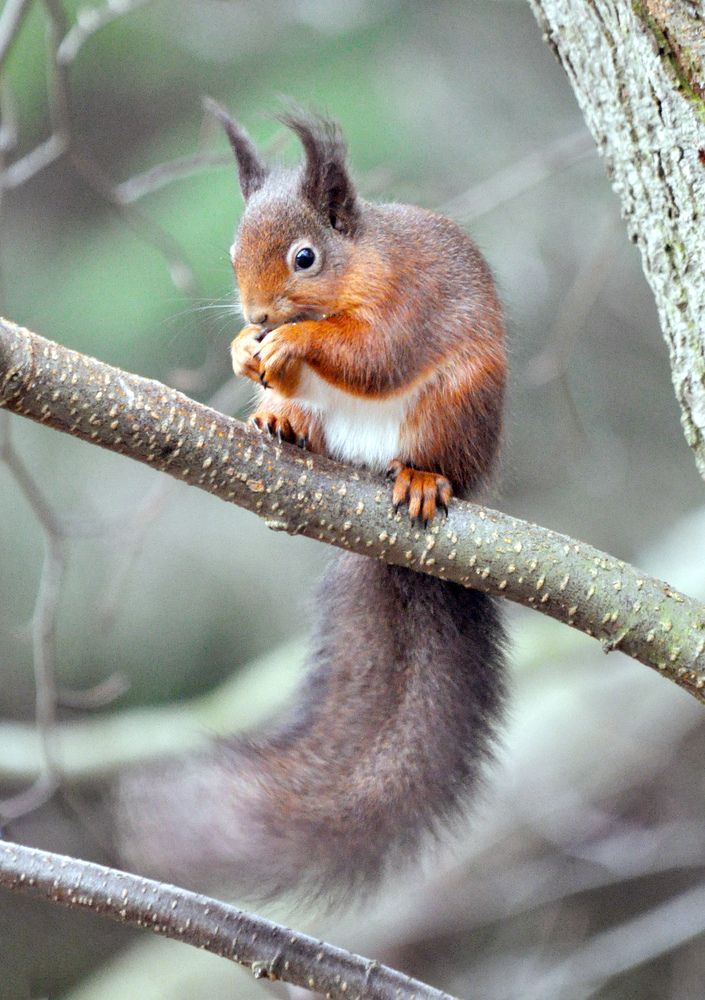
point(326, 183)
point(251, 171)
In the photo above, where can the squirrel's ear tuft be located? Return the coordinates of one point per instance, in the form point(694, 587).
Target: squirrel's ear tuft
point(251, 170)
point(326, 183)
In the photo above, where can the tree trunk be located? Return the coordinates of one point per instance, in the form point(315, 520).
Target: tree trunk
point(638, 74)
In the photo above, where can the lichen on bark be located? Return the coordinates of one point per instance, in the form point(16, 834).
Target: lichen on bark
point(680, 34)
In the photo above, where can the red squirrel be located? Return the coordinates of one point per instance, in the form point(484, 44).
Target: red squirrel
point(377, 336)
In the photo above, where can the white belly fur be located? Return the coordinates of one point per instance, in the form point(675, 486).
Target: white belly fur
point(358, 431)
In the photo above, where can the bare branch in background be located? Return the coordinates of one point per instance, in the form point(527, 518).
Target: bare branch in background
point(574, 310)
point(63, 142)
point(304, 494)
point(92, 19)
point(180, 270)
point(551, 365)
point(158, 177)
point(10, 23)
point(34, 162)
point(62, 48)
point(44, 620)
point(8, 122)
point(269, 950)
point(44, 623)
point(229, 398)
point(519, 177)
point(99, 696)
point(615, 951)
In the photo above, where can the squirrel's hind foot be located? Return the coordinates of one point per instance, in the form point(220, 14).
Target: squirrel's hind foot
point(424, 491)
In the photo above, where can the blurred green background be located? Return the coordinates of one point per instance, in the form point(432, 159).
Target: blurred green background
point(177, 591)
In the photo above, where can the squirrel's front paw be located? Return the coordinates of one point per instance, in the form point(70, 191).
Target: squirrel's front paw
point(242, 352)
point(279, 366)
point(424, 491)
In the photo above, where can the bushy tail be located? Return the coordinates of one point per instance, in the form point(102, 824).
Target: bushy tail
point(384, 747)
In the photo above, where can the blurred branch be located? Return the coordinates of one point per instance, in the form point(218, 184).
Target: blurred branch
point(142, 225)
point(229, 397)
point(158, 177)
point(638, 71)
point(181, 272)
point(551, 365)
point(27, 166)
point(44, 622)
point(43, 630)
point(526, 173)
point(94, 748)
point(269, 950)
point(8, 122)
point(553, 360)
point(62, 141)
point(92, 19)
point(300, 493)
point(10, 23)
point(100, 695)
point(632, 943)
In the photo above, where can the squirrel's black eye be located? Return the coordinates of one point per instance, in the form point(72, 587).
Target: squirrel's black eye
point(305, 258)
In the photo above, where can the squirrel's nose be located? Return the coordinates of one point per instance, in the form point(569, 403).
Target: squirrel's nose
point(259, 317)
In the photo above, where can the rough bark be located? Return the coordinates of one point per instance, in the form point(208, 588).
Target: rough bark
point(637, 69)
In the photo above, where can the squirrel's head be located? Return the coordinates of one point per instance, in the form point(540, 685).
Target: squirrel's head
point(296, 236)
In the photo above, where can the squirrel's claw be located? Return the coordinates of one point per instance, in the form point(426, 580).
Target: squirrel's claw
point(423, 491)
point(279, 426)
point(274, 425)
point(278, 364)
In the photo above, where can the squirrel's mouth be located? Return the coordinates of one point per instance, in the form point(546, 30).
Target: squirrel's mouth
point(299, 317)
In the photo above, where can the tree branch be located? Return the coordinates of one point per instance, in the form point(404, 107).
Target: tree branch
point(10, 23)
point(269, 950)
point(300, 493)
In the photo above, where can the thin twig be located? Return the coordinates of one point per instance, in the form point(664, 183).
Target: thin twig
point(158, 177)
point(9, 132)
point(57, 75)
point(520, 177)
point(300, 493)
point(89, 20)
point(100, 695)
point(44, 621)
point(164, 173)
point(36, 160)
point(574, 310)
point(132, 541)
point(10, 23)
point(180, 270)
point(552, 363)
point(269, 950)
point(41, 508)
